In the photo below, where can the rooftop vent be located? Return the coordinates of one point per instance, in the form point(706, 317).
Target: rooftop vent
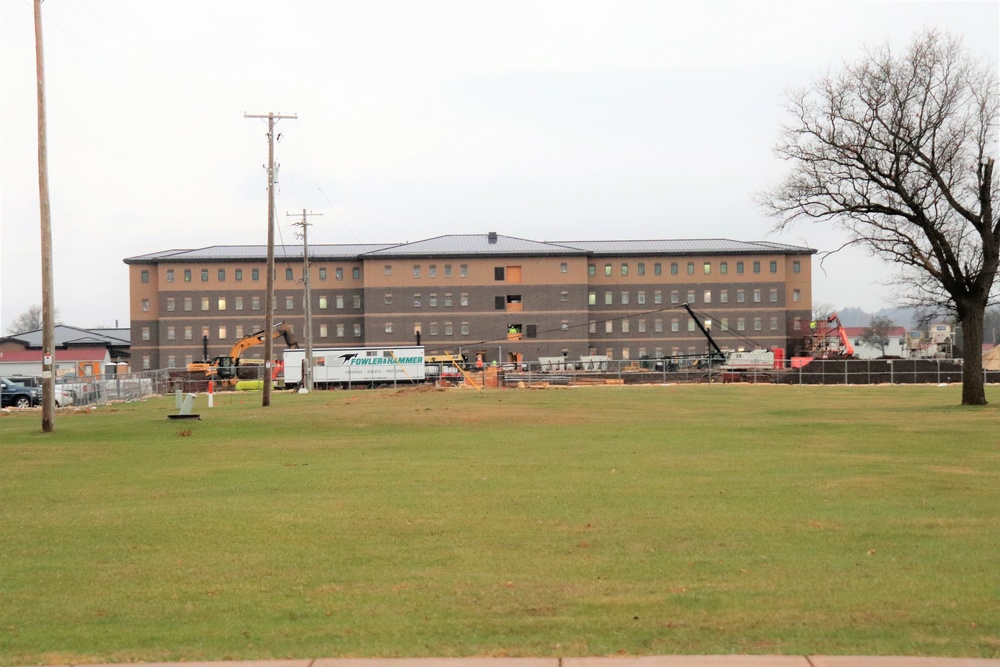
point(492, 237)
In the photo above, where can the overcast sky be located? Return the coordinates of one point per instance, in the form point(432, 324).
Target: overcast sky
point(541, 120)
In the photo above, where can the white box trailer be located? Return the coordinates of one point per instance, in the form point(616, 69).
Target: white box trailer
point(344, 366)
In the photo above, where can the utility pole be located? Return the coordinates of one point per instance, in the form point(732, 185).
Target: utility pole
point(269, 296)
point(308, 372)
point(48, 311)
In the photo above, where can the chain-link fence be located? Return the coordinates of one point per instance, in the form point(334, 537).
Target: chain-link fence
point(81, 391)
point(663, 371)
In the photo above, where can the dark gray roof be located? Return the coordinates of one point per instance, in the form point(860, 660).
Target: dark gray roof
point(472, 245)
point(256, 253)
point(67, 335)
point(685, 247)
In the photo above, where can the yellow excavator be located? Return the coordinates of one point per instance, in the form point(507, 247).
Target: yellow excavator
point(226, 368)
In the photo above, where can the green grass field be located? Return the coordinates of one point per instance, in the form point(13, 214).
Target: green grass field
point(650, 520)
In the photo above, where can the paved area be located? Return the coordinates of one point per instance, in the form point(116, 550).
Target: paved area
point(635, 661)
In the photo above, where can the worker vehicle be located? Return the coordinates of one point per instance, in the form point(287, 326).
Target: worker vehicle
point(227, 368)
point(14, 394)
point(356, 367)
point(823, 331)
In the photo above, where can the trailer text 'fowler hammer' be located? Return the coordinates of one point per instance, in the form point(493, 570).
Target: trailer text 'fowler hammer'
point(347, 366)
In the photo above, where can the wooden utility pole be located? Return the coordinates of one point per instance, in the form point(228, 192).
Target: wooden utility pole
point(308, 372)
point(48, 310)
point(269, 296)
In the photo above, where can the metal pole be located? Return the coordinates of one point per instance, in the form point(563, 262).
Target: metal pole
point(48, 311)
point(308, 375)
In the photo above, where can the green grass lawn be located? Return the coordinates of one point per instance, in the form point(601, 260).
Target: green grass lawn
point(650, 520)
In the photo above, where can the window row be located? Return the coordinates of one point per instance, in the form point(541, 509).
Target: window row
point(187, 303)
point(446, 300)
point(624, 325)
point(221, 274)
point(691, 296)
point(223, 332)
point(690, 267)
point(432, 270)
point(447, 328)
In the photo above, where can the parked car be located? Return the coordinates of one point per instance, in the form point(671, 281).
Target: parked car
point(17, 395)
point(64, 396)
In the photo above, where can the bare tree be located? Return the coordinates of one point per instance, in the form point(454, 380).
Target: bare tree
point(29, 320)
point(877, 332)
point(898, 150)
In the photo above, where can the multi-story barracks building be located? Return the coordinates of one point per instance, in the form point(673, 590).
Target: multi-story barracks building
point(508, 299)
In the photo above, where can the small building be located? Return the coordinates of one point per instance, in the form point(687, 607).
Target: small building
point(81, 352)
point(896, 344)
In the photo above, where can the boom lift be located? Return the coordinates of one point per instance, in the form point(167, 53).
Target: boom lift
point(821, 341)
point(227, 367)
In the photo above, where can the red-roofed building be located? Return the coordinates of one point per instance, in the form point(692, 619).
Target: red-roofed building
point(896, 345)
point(79, 352)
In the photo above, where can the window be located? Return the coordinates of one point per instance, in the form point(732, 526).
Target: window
point(592, 299)
point(774, 324)
point(773, 267)
point(609, 298)
point(592, 328)
point(222, 332)
point(625, 326)
point(796, 266)
point(741, 324)
point(797, 324)
point(448, 329)
point(690, 324)
point(624, 269)
point(757, 326)
point(756, 296)
point(657, 297)
point(756, 267)
point(640, 268)
point(432, 271)
point(640, 297)
point(145, 333)
point(340, 301)
point(708, 268)
point(447, 270)
point(723, 267)
point(740, 296)
point(254, 274)
point(675, 296)
point(222, 303)
point(564, 325)
point(690, 268)
point(434, 329)
point(356, 301)
point(432, 300)
point(289, 302)
point(563, 267)
point(564, 296)
point(447, 300)
point(739, 267)
point(204, 303)
point(188, 305)
point(416, 270)
point(674, 268)
point(642, 326)
point(707, 296)
point(624, 298)
point(144, 276)
point(388, 327)
point(170, 275)
point(416, 300)
point(340, 331)
point(591, 270)
point(338, 273)
point(463, 270)
point(204, 275)
point(463, 300)
point(657, 326)
point(724, 296)
point(322, 273)
point(171, 361)
point(796, 295)
point(498, 273)
point(725, 324)
point(188, 333)
point(323, 331)
point(255, 303)
point(238, 274)
point(773, 295)
point(239, 331)
point(465, 328)
point(388, 299)
point(499, 303)
point(323, 302)
point(145, 362)
point(357, 330)
point(609, 327)
point(607, 269)
point(690, 296)
point(187, 275)
point(171, 304)
point(222, 275)
point(356, 273)
point(387, 271)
